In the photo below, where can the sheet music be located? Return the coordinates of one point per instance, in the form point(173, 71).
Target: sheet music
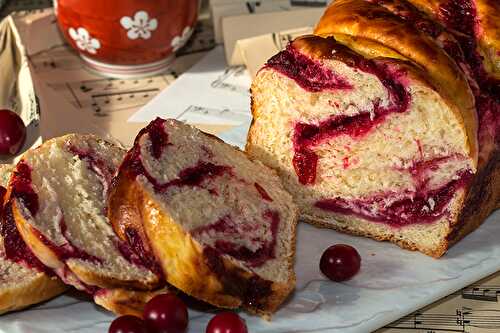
point(474, 309)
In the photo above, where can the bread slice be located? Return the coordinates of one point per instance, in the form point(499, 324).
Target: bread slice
point(24, 280)
point(58, 195)
point(366, 146)
point(220, 225)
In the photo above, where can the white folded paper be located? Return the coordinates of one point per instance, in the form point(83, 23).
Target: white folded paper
point(210, 94)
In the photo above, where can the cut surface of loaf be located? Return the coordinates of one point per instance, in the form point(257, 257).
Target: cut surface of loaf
point(24, 280)
point(58, 194)
point(367, 146)
point(220, 225)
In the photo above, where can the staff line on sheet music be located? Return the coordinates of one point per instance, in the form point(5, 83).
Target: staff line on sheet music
point(74, 95)
point(130, 92)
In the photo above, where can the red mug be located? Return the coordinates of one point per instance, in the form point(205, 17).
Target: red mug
point(127, 38)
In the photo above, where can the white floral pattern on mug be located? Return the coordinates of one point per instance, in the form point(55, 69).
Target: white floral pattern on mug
point(179, 41)
point(83, 40)
point(140, 26)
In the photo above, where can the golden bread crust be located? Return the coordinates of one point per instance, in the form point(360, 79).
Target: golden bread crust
point(487, 28)
point(488, 18)
point(126, 302)
point(370, 21)
point(483, 197)
point(93, 279)
point(34, 289)
point(435, 252)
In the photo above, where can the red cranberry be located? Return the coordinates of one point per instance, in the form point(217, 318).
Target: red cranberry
point(128, 324)
point(166, 314)
point(340, 262)
point(227, 322)
point(12, 133)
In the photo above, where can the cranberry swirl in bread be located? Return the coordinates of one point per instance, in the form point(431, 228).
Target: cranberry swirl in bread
point(24, 279)
point(220, 225)
point(381, 126)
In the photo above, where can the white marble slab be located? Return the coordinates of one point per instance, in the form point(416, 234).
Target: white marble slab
point(391, 284)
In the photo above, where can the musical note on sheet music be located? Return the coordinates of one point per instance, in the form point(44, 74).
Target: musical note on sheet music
point(474, 309)
point(229, 80)
point(481, 293)
point(107, 95)
point(202, 115)
point(60, 58)
point(309, 3)
point(461, 321)
point(203, 39)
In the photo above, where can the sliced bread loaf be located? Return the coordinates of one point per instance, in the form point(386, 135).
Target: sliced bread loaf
point(24, 280)
point(220, 225)
point(58, 201)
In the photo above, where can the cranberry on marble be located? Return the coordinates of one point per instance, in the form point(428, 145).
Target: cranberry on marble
point(128, 324)
point(166, 314)
point(227, 322)
point(340, 262)
point(12, 133)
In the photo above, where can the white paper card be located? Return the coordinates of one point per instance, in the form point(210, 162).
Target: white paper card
point(208, 94)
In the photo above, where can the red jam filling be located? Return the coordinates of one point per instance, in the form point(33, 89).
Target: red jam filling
point(253, 292)
point(99, 166)
point(263, 192)
point(308, 74)
point(307, 136)
point(3, 191)
point(420, 207)
point(461, 16)
point(158, 137)
point(458, 15)
point(22, 190)
point(15, 248)
point(67, 250)
point(227, 230)
point(137, 246)
point(192, 176)
point(106, 172)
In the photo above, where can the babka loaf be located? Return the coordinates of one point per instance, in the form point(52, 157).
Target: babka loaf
point(373, 126)
point(220, 225)
point(58, 196)
point(24, 279)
